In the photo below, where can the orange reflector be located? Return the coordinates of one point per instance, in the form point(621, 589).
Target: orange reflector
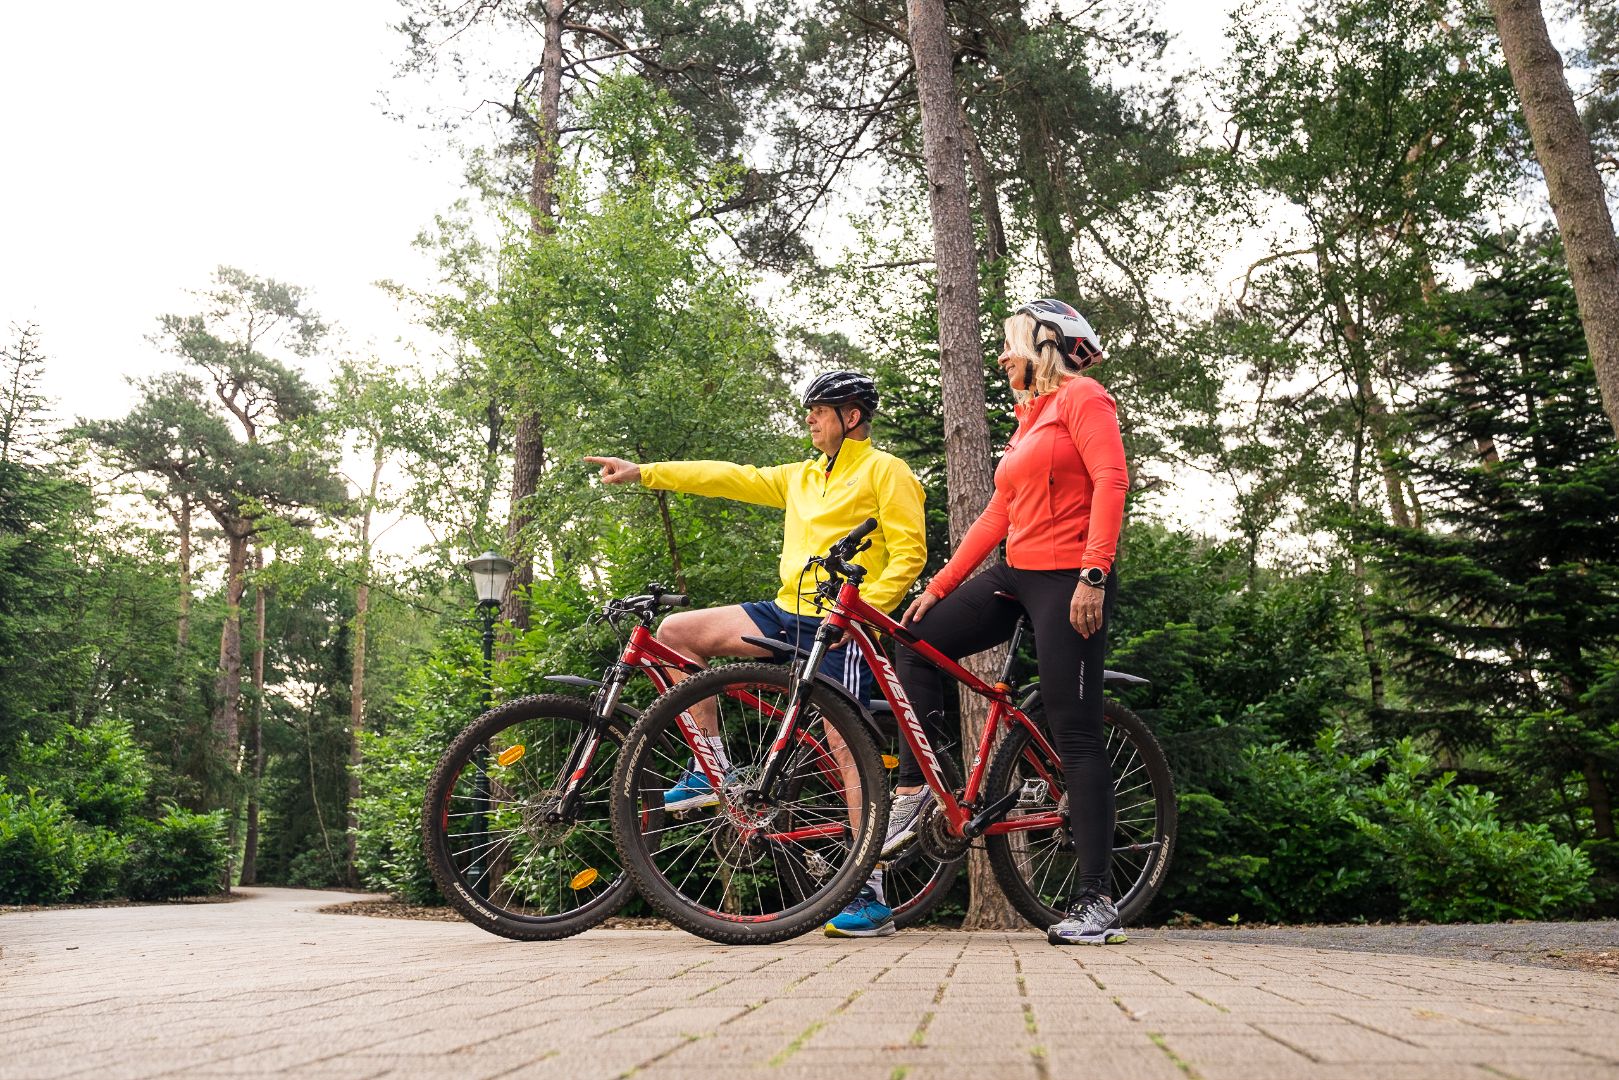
point(584, 879)
point(890, 761)
point(510, 755)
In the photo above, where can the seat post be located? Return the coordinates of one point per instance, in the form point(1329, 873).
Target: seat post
point(1017, 637)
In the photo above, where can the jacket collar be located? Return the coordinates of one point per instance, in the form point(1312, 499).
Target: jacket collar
point(850, 454)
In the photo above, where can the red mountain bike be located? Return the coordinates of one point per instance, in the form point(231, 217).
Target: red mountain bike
point(514, 823)
point(1013, 799)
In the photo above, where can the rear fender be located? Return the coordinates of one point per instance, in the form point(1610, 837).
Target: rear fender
point(1031, 691)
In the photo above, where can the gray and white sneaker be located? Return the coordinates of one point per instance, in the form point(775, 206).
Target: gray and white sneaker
point(904, 815)
point(1091, 920)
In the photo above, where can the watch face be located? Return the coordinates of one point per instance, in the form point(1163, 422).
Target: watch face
point(1093, 575)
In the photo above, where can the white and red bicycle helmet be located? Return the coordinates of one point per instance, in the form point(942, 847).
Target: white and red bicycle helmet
point(1078, 343)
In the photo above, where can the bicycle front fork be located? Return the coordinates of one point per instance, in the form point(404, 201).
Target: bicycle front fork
point(764, 792)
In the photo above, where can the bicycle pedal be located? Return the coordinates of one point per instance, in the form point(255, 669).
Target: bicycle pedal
point(1033, 793)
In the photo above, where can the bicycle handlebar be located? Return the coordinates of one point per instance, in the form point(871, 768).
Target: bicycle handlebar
point(850, 545)
point(644, 606)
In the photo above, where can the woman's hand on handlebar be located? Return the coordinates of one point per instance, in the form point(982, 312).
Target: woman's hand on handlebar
point(919, 607)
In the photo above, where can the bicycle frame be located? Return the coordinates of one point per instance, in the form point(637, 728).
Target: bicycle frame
point(852, 614)
point(645, 653)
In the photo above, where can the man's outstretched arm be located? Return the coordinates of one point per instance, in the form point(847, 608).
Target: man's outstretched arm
point(717, 479)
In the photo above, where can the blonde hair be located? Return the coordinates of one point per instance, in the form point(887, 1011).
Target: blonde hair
point(1023, 338)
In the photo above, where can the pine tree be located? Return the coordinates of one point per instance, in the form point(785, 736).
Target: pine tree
point(1504, 617)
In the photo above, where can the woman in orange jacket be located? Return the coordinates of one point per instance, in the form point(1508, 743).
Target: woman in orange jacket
point(1058, 504)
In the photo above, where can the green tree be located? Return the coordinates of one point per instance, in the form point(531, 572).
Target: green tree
point(1504, 618)
point(22, 406)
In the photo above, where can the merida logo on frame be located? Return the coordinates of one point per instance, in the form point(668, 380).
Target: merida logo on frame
point(907, 715)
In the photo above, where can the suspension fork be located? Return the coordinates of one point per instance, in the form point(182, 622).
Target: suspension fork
point(764, 792)
point(583, 751)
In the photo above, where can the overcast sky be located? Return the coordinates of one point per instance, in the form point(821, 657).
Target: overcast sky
point(146, 144)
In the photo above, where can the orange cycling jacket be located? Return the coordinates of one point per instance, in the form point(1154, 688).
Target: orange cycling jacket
point(1059, 489)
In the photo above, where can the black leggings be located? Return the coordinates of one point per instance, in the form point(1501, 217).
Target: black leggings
point(973, 619)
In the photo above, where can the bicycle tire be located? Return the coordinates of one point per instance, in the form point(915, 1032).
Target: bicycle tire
point(914, 882)
point(797, 884)
point(465, 863)
point(1144, 844)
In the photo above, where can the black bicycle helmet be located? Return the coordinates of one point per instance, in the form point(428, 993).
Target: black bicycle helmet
point(1078, 343)
point(843, 388)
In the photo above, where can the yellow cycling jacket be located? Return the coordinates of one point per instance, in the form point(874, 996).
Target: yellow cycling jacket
point(822, 505)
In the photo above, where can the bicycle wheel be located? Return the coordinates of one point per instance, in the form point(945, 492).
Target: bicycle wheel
point(1037, 868)
point(499, 851)
point(914, 882)
point(735, 873)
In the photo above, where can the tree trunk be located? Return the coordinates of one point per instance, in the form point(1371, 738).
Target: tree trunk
point(542, 214)
point(1577, 196)
point(530, 434)
point(228, 685)
point(993, 257)
point(1598, 797)
point(362, 604)
point(1375, 413)
point(669, 538)
point(1049, 223)
point(1363, 614)
point(255, 733)
point(182, 521)
point(961, 359)
point(528, 460)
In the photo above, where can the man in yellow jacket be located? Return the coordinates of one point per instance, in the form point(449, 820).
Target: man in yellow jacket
point(824, 497)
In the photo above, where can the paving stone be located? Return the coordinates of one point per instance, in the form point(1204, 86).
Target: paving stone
point(267, 986)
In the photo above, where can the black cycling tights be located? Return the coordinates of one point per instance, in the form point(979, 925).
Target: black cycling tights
point(973, 619)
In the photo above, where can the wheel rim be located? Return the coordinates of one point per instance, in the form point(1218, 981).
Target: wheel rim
point(1045, 858)
point(513, 860)
point(729, 861)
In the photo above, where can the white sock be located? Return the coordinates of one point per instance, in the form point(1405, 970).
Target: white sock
point(717, 742)
point(875, 884)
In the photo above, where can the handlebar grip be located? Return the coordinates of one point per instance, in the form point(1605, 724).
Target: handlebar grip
point(860, 531)
point(674, 600)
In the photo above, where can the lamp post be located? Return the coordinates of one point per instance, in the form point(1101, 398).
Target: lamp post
point(490, 572)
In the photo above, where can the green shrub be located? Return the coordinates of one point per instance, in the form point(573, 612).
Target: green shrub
point(315, 869)
point(1324, 835)
point(395, 764)
point(1283, 845)
point(393, 784)
point(101, 856)
point(39, 862)
point(1454, 860)
point(180, 854)
point(98, 772)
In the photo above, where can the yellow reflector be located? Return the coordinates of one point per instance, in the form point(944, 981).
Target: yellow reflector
point(584, 879)
point(890, 761)
point(510, 755)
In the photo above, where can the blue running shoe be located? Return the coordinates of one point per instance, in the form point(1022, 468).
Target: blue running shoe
point(691, 792)
point(866, 916)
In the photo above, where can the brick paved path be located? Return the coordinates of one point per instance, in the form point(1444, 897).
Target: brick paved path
point(268, 987)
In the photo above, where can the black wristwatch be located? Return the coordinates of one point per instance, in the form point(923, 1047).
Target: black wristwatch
point(1094, 576)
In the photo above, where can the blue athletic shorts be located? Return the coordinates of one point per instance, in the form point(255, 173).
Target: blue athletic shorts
point(843, 665)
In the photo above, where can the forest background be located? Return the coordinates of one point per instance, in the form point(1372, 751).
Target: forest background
point(1371, 563)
